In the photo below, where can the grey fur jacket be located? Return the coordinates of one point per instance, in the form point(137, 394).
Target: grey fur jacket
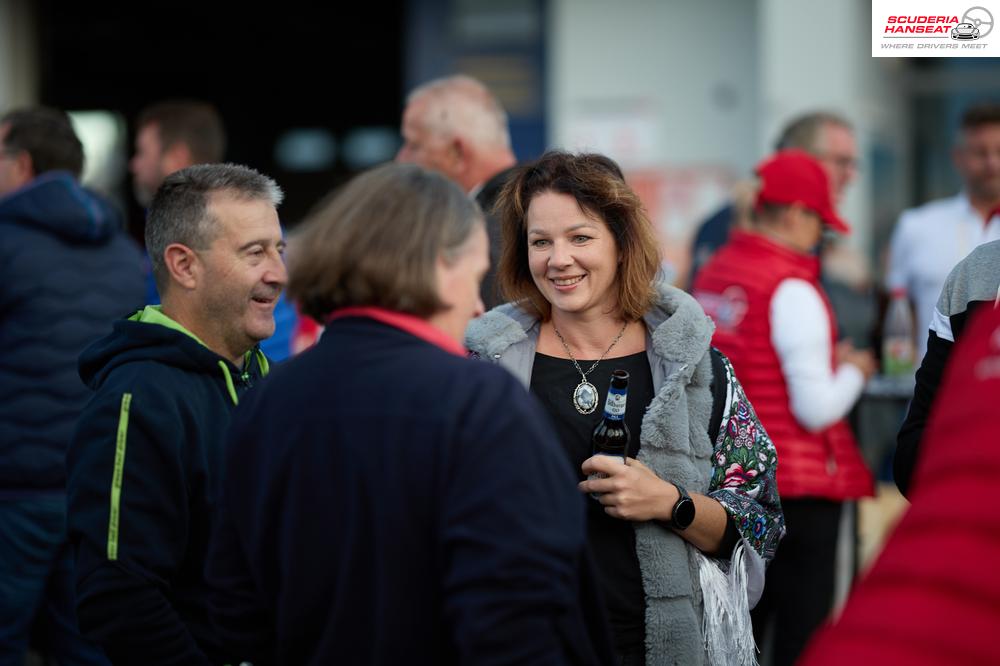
point(674, 444)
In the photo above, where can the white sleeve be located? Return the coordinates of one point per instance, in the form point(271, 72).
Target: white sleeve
point(941, 326)
point(897, 269)
point(800, 333)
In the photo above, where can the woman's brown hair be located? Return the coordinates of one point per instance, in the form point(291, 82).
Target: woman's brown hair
point(598, 185)
point(376, 242)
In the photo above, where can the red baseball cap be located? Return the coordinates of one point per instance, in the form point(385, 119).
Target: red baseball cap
point(796, 177)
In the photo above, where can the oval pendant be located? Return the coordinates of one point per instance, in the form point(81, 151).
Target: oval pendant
point(585, 397)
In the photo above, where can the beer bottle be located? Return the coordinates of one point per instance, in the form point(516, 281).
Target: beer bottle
point(611, 436)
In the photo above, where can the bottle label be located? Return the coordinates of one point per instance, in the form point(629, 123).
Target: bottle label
point(898, 356)
point(614, 407)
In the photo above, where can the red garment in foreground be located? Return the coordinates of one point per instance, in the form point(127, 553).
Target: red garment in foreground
point(933, 596)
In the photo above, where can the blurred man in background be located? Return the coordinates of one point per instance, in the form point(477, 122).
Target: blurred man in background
point(170, 136)
point(457, 127)
point(68, 271)
point(824, 135)
point(929, 240)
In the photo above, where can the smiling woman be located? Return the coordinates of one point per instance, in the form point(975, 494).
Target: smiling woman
point(580, 265)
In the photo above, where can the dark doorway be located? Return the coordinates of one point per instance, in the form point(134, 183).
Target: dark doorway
point(322, 65)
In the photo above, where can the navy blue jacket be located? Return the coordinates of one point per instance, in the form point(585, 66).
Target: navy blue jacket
point(143, 473)
point(711, 236)
point(68, 271)
point(387, 502)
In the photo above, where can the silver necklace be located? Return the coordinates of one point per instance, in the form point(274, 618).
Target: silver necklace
point(585, 393)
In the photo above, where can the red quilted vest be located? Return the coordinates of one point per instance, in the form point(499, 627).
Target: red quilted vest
point(736, 288)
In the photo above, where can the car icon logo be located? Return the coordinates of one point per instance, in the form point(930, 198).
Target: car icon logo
point(965, 31)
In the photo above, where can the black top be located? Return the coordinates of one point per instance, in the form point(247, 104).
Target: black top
point(612, 540)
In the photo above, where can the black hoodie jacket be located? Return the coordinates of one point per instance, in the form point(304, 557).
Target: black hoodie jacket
point(143, 471)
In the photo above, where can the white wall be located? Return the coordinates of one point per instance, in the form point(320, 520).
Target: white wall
point(690, 66)
point(709, 83)
point(816, 54)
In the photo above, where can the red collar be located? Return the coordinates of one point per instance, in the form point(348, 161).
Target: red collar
point(415, 326)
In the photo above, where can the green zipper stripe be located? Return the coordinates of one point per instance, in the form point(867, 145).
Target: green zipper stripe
point(229, 383)
point(265, 366)
point(116, 477)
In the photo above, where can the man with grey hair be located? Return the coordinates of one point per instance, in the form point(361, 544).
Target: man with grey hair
point(146, 458)
point(826, 136)
point(456, 126)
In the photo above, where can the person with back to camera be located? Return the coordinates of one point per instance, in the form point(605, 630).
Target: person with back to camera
point(974, 283)
point(697, 489)
point(933, 595)
point(388, 500)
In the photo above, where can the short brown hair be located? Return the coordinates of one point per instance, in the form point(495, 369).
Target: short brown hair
point(598, 185)
point(47, 136)
point(376, 242)
point(981, 114)
point(195, 124)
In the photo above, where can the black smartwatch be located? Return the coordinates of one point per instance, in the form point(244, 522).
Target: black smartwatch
point(683, 513)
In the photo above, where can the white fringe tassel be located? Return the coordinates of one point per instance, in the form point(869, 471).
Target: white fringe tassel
point(726, 623)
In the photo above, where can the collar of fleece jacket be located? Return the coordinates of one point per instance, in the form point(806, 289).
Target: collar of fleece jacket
point(148, 335)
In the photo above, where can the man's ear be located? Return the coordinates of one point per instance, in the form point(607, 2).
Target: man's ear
point(177, 157)
point(460, 152)
point(182, 265)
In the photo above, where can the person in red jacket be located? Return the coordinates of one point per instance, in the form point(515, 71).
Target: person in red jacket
point(933, 596)
point(774, 321)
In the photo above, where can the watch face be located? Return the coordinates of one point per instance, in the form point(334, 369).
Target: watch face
point(683, 513)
